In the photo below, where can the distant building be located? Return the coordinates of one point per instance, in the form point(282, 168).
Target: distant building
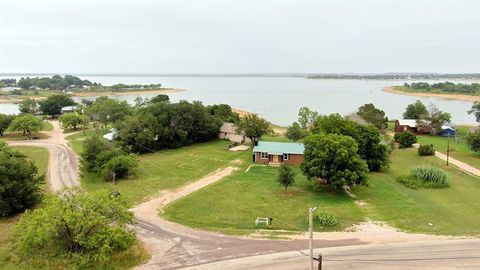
point(111, 135)
point(228, 131)
point(274, 153)
point(413, 125)
point(68, 109)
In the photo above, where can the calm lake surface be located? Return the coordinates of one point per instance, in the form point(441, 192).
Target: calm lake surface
point(279, 98)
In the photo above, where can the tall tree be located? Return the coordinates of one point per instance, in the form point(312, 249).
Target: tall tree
point(373, 115)
point(20, 182)
point(108, 110)
point(254, 126)
point(295, 132)
point(306, 117)
point(473, 140)
point(437, 118)
point(416, 110)
point(5, 121)
point(72, 120)
point(475, 111)
point(27, 124)
point(28, 105)
point(53, 104)
point(333, 159)
point(286, 176)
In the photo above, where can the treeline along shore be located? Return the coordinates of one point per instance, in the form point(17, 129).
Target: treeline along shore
point(447, 90)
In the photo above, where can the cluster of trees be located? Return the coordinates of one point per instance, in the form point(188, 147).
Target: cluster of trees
point(445, 87)
point(433, 114)
point(20, 182)
point(120, 86)
point(55, 82)
point(28, 124)
point(8, 83)
point(50, 106)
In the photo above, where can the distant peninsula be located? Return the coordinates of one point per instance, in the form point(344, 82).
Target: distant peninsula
point(395, 76)
point(448, 90)
point(13, 90)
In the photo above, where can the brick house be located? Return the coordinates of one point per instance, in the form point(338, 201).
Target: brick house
point(274, 153)
point(413, 125)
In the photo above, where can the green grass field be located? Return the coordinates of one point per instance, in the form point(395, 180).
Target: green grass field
point(231, 206)
point(17, 136)
point(169, 169)
point(459, 148)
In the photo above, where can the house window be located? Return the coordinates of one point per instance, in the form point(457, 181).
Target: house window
point(264, 155)
point(286, 156)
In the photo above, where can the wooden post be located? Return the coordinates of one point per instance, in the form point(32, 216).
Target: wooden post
point(113, 177)
point(310, 232)
point(448, 148)
point(320, 261)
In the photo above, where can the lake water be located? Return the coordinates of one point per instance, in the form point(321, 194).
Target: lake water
point(279, 98)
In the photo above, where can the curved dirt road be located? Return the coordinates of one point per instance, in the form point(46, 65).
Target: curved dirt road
point(63, 169)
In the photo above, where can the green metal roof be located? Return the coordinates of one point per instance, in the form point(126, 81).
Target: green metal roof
point(278, 148)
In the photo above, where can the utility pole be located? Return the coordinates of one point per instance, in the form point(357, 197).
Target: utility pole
point(310, 232)
point(448, 148)
point(113, 177)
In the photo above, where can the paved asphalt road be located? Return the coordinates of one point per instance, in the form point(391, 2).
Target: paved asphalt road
point(435, 254)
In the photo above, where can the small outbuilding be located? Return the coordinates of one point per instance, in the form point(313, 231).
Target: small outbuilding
point(275, 153)
point(228, 131)
point(68, 109)
point(413, 125)
point(448, 131)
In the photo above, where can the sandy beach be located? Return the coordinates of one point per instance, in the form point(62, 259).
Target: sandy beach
point(390, 89)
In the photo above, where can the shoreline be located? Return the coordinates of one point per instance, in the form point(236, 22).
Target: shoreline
point(469, 98)
point(16, 100)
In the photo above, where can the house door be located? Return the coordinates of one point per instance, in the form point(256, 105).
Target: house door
point(276, 159)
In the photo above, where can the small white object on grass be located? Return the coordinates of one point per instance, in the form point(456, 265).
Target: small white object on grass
point(430, 224)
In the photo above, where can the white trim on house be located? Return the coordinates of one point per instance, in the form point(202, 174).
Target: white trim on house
point(286, 156)
point(263, 155)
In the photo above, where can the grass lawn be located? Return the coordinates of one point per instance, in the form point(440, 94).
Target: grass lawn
point(454, 210)
point(169, 169)
point(37, 155)
point(76, 140)
point(17, 136)
point(459, 150)
point(231, 205)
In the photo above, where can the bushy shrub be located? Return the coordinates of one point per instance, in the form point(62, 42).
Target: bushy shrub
point(426, 150)
point(430, 176)
point(121, 166)
point(326, 219)
point(406, 139)
point(473, 140)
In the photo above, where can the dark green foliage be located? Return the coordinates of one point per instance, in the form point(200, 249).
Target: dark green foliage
point(295, 132)
point(406, 139)
point(167, 125)
point(326, 220)
point(426, 150)
point(53, 104)
point(286, 176)
point(224, 113)
point(97, 151)
point(437, 118)
point(475, 110)
point(72, 120)
point(415, 111)
point(473, 140)
point(89, 226)
point(254, 126)
point(5, 121)
point(368, 140)
point(159, 98)
point(446, 87)
point(334, 160)
point(56, 82)
point(27, 124)
point(20, 183)
point(373, 115)
point(425, 177)
point(122, 166)
point(108, 110)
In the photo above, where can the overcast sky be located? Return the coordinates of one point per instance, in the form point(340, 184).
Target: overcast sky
point(146, 36)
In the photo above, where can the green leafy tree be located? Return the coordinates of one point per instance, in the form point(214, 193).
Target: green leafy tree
point(5, 121)
point(96, 152)
point(160, 98)
point(72, 120)
point(254, 126)
point(416, 110)
point(28, 105)
point(121, 166)
point(473, 140)
point(286, 176)
point(333, 159)
point(306, 117)
point(25, 83)
point(373, 115)
point(20, 182)
point(27, 124)
point(406, 139)
point(370, 146)
point(90, 226)
point(295, 132)
point(108, 110)
point(224, 112)
point(475, 111)
point(53, 104)
point(437, 118)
